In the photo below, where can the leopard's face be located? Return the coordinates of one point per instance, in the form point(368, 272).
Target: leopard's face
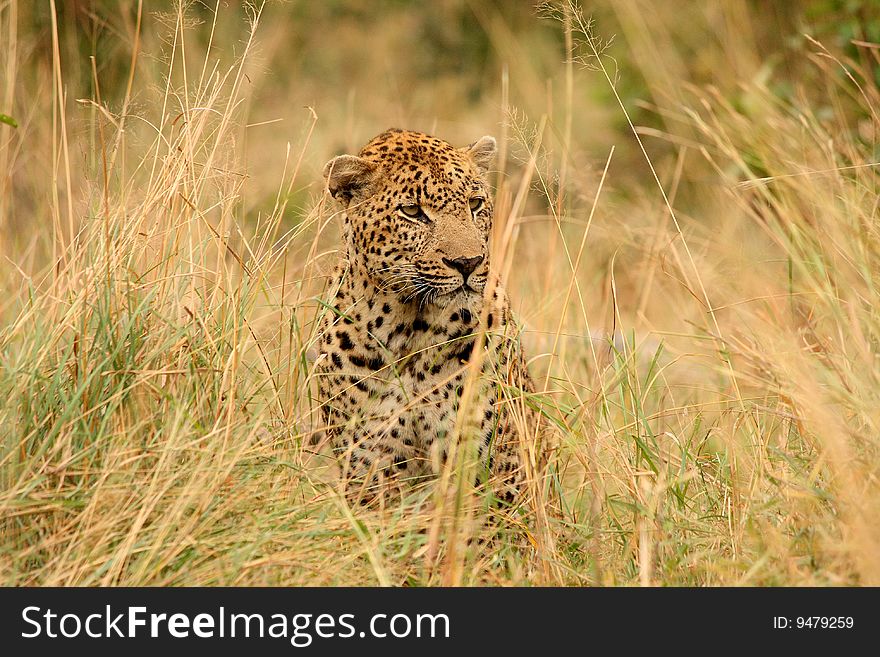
point(418, 215)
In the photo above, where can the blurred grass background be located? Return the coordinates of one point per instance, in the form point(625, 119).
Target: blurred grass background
point(692, 193)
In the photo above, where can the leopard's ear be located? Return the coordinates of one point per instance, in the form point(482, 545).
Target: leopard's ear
point(348, 174)
point(482, 152)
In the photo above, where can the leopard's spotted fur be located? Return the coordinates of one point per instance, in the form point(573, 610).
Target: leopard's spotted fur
point(410, 300)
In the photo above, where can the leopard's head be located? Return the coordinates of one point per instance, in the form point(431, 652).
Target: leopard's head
point(417, 215)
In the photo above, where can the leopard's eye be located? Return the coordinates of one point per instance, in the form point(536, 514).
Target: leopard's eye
point(412, 212)
point(476, 203)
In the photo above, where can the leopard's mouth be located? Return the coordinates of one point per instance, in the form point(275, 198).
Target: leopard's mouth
point(462, 292)
point(425, 289)
point(464, 288)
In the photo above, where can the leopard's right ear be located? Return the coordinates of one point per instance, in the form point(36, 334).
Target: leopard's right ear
point(348, 174)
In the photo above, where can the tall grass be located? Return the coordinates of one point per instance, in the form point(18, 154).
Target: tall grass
point(698, 284)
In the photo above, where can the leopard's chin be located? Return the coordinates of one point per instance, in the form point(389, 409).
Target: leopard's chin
point(462, 296)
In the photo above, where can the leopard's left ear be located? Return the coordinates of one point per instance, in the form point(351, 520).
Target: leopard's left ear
point(482, 152)
point(346, 175)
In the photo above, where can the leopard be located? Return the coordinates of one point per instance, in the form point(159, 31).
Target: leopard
point(420, 355)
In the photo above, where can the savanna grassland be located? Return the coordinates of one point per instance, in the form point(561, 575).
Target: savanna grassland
point(687, 217)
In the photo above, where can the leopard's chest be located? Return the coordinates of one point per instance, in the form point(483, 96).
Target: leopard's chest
point(423, 398)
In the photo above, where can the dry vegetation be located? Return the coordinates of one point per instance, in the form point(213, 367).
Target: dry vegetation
point(690, 212)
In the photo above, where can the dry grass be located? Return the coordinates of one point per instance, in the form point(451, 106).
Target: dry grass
point(699, 289)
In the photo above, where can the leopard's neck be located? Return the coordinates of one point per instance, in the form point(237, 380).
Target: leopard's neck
point(382, 321)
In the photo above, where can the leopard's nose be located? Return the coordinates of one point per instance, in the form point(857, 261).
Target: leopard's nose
point(464, 265)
